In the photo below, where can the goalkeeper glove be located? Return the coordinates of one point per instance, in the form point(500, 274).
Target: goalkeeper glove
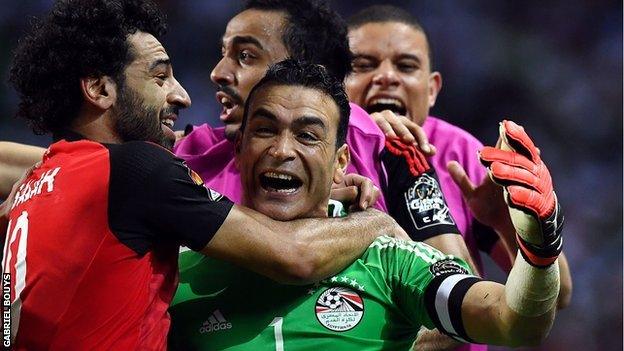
point(528, 189)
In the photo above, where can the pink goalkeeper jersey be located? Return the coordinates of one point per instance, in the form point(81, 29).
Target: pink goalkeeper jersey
point(207, 152)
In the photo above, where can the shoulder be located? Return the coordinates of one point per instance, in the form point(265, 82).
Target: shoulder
point(442, 131)
point(200, 139)
point(139, 155)
point(361, 122)
point(385, 245)
point(134, 165)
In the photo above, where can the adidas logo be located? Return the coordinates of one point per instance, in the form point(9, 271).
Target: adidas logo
point(215, 322)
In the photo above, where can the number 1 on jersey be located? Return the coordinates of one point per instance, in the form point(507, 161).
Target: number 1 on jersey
point(279, 339)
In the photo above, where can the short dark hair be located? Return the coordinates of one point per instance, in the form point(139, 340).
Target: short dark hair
point(77, 39)
point(293, 72)
point(388, 13)
point(314, 33)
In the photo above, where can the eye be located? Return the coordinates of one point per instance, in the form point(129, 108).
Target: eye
point(263, 131)
point(407, 67)
point(307, 136)
point(246, 57)
point(363, 65)
point(360, 65)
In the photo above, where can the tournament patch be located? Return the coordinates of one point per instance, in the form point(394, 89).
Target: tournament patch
point(214, 195)
point(447, 266)
point(339, 309)
point(425, 203)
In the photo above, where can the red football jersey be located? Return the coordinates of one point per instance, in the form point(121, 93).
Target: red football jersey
point(92, 245)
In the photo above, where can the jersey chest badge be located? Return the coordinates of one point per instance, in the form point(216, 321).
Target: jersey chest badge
point(339, 309)
point(426, 203)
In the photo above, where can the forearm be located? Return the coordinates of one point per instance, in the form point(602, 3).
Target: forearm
point(14, 160)
point(330, 245)
point(503, 256)
point(300, 251)
point(519, 313)
point(530, 302)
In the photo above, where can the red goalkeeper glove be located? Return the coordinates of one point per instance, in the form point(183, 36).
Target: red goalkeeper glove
point(535, 212)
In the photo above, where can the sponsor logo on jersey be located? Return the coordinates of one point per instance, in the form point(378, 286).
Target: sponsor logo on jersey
point(447, 266)
point(215, 322)
point(426, 204)
point(339, 309)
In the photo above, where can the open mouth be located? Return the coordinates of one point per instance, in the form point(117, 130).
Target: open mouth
point(280, 182)
point(381, 104)
point(168, 122)
point(228, 104)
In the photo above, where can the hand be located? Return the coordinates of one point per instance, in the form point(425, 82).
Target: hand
point(486, 201)
point(433, 340)
point(355, 188)
point(394, 126)
point(536, 215)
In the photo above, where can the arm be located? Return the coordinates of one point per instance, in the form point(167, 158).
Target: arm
point(165, 202)
point(300, 251)
point(416, 201)
point(14, 160)
point(519, 313)
point(522, 311)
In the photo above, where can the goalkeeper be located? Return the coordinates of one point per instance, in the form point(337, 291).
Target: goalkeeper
point(291, 144)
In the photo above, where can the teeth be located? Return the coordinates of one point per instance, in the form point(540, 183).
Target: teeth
point(278, 175)
point(387, 101)
point(168, 122)
point(223, 100)
point(286, 190)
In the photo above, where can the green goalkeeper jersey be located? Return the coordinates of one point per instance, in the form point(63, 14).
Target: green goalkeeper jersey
point(378, 302)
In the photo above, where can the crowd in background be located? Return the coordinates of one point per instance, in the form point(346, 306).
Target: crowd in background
point(554, 67)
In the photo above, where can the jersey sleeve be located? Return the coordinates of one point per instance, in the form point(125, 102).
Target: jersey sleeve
point(427, 286)
point(413, 193)
point(155, 198)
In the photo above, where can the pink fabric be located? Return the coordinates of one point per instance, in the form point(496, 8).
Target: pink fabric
point(454, 143)
point(208, 153)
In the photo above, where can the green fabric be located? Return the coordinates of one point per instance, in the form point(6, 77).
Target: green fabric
point(220, 306)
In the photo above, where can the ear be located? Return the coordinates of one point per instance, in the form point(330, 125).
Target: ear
point(435, 85)
point(237, 147)
point(343, 157)
point(100, 92)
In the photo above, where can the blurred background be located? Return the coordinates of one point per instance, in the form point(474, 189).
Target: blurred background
point(553, 66)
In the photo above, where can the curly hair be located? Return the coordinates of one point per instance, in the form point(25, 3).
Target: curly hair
point(77, 39)
point(292, 72)
point(314, 33)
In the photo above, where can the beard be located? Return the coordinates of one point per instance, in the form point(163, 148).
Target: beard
point(135, 121)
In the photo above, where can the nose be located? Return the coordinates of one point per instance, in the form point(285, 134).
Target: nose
point(178, 95)
point(282, 148)
point(223, 74)
point(386, 76)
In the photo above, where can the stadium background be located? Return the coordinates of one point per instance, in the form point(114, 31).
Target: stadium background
point(555, 67)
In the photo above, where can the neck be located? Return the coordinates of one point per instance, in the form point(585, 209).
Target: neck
point(319, 211)
point(97, 127)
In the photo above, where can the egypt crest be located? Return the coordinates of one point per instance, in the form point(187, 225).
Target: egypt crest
point(339, 309)
point(426, 204)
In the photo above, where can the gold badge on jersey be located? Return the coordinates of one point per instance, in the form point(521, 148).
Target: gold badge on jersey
point(195, 177)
